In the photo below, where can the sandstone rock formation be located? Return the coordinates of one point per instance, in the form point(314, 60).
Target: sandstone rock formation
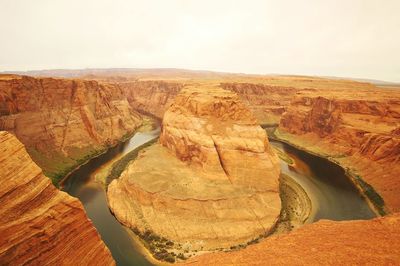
point(212, 182)
point(357, 129)
point(214, 129)
point(64, 122)
point(326, 242)
point(155, 96)
point(40, 225)
point(267, 102)
point(151, 97)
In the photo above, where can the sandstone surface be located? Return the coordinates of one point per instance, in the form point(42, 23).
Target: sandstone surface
point(211, 182)
point(373, 242)
point(64, 122)
point(39, 224)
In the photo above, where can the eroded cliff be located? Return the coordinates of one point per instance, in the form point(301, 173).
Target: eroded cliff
point(267, 102)
point(211, 182)
point(151, 97)
point(64, 122)
point(357, 129)
point(39, 224)
point(154, 97)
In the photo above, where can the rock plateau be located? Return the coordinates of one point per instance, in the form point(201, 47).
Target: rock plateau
point(211, 181)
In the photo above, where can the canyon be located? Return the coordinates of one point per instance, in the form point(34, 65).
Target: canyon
point(63, 122)
point(211, 182)
point(212, 155)
point(358, 130)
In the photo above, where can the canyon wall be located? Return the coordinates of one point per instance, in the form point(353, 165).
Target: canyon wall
point(151, 97)
point(267, 102)
point(211, 182)
point(39, 224)
point(211, 127)
point(357, 129)
point(64, 122)
point(154, 97)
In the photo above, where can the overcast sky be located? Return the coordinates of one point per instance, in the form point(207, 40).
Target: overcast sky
point(350, 38)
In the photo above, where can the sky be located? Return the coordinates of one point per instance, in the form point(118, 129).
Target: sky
point(346, 38)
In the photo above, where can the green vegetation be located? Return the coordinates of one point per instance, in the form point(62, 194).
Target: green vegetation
point(370, 192)
point(121, 164)
point(365, 189)
point(56, 166)
point(283, 156)
point(159, 246)
point(251, 242)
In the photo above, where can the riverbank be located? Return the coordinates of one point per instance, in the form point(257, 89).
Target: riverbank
point(374, 200)
point(148, 124)
point(296, 205)
point(61, 177)
point(83, 185)
point(296, 209)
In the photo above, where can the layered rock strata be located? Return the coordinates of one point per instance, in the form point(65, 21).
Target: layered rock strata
point(211, 182)
point(154, 97)
point(267, 102)
point(151, 97)
point(359, 130)
point(322, 243)
point(39, 224)
point(64, 122)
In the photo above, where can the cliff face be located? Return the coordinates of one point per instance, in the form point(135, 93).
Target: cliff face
point(359, 131)
point(39, 224)
point(64, 122)
point(322, 243)
point(212, 182)
point(151, 97)
point(267, 102)
point(213, 128)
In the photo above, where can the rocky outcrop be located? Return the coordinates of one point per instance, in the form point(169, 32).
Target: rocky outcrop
point(154, 97)
point(211, 182)
point(39, 224)
point(214, 129)
point(267, 102)
point(64, 122)
point(322, 243)
point(151, 97)
point(381, 148)
point(357, 129)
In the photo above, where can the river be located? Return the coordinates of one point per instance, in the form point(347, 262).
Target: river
point(81, 184)
point(332, 195)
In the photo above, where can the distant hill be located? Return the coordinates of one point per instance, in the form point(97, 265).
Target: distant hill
point(133, 73)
